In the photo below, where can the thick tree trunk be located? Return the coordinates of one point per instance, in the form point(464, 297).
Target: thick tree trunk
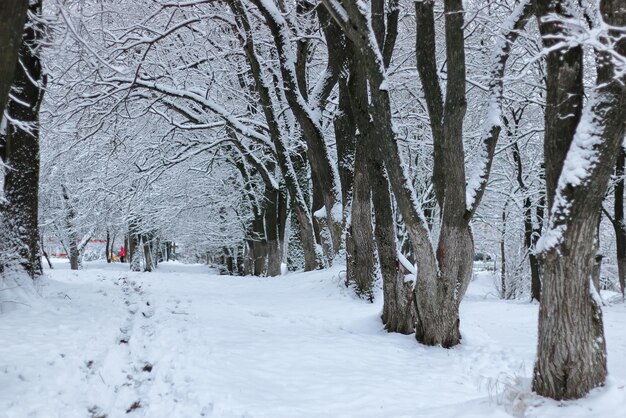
point(361, 270)
point(571, 356)
point(398, 309)
point(438, 304)
point(360, 251)
point(12, 19)
point(19, 148)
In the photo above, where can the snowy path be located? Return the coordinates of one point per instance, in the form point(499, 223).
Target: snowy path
point(184, 343)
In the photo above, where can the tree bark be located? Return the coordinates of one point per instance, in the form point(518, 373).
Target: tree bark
point(571, 354)
point(360, 264)
point(503, 286)
point(19, 146)
point(12, 19)
point(619, 224)
point(133, 244)
point(146, 240)
point(274, 255)
point(531, 232)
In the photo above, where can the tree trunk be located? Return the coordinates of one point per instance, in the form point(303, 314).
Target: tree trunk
point(108, 247)
point(531, 233)
point(398, 309)
point(19, 148)
point(274, 256)
point(360, 263)
point(227, 260)
point(360, 251)
point(12, 19)
point(133, 244)
point(619, 224)
point(72, 235)
point(43, 250)
point(248, 263)
point(147, 253)
point(438, 303)
point(571, 356)
point(74, 254)
point(503, 287)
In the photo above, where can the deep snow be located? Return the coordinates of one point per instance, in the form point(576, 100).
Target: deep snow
point(184, 342)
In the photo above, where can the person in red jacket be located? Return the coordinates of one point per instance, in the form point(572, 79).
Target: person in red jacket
point(122, 254)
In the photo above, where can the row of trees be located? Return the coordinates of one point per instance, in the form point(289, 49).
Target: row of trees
point(314, 133)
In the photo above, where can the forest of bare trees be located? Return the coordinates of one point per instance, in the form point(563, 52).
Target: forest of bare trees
point(398, 138)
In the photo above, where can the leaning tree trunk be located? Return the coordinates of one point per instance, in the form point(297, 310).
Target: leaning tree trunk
point(398, 296)
point(19, 147)
point(571, 355)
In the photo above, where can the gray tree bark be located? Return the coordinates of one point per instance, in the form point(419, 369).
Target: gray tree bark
point(571, 354)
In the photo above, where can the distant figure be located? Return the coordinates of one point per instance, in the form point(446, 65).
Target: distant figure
point(122, 254)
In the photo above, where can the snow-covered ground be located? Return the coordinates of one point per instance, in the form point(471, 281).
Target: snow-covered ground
point(184, 342)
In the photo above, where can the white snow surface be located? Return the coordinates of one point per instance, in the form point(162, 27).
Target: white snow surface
point(300, 345)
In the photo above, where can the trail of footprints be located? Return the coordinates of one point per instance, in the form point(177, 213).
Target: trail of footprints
point(135, 377)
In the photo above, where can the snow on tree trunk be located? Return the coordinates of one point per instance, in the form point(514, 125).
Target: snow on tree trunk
point(580, 145)
point(360, 263)
point(571, 356)
point(19, 145)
